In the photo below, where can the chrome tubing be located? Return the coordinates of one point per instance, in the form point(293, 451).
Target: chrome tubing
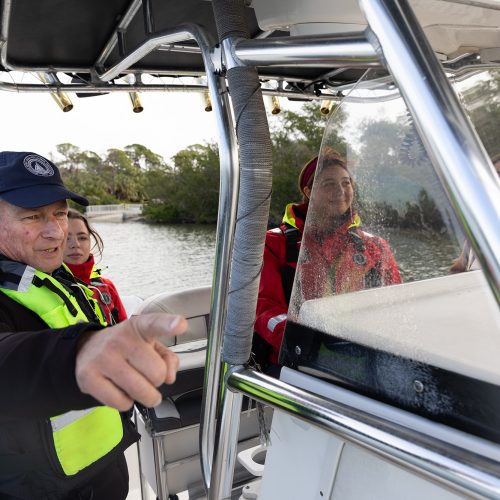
point(91, 89)
point(4, 32)
point(448, 463)
point(183, 49)
point(181, 34)
point(221, 482)
point(37, 88)
point(226, 221)
point(123, 25)
point(459, 158)
point(160, 462)
point(351, 50)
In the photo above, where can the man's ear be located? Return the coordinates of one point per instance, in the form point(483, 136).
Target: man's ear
point(307, 192)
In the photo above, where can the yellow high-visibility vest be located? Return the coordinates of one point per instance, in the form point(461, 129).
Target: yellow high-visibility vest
point(80, 437)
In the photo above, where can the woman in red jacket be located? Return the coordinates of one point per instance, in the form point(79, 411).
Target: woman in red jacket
point(338, 256)
point(80, 260)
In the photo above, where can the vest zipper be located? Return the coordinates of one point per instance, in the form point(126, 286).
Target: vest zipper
point(48, 442)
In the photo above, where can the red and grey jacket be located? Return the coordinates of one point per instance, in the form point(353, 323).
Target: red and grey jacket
point(277, 276)
point(104, 291)
point(346, 260)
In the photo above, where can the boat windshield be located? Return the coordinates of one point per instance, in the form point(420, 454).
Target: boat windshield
point(388, 297)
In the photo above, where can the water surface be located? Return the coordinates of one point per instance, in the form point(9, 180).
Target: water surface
point(145, 259)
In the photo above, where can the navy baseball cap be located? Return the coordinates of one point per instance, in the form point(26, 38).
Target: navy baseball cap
point(29, 180)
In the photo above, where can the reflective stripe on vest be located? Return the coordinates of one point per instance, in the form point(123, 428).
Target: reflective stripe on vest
point(275, 321)
point(95, 273)
point(356, 222)
point(80, 437)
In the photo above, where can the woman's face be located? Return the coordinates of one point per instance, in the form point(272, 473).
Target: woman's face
point(77, 249)
point(333, 192)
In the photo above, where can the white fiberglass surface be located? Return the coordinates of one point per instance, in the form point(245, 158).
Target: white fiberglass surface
point(391, 269)
point(452, 27)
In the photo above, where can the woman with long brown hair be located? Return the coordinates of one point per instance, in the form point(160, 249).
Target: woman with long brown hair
point(79, 258)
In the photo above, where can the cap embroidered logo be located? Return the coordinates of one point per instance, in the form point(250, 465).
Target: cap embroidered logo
point(38, 165)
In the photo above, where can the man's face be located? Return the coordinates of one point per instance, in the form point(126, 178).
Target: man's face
point(34, 236)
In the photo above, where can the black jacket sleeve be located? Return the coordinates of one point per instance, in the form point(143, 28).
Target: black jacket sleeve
point(37, 367)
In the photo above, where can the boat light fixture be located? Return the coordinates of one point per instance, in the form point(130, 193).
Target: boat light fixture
point(275, 105)
point(61, 98)
point(207, 102)
point(327, 107)
point(137, 106)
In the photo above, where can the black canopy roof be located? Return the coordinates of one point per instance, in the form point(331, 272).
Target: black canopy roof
point(72, 35)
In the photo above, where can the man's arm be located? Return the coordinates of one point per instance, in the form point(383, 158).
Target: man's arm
point(127, 362)
point(48, 372)
point(37, 372)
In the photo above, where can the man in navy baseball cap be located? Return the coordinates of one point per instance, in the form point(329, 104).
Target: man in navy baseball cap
point(33, 211)
point(29, 180)
point(58, 367)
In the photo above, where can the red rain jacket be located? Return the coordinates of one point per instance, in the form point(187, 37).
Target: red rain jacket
point(104, 291)
point(332, 263)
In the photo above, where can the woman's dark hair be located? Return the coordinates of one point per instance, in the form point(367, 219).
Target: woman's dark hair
point(99, 244)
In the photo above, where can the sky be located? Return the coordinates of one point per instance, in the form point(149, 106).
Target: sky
point(170, 122)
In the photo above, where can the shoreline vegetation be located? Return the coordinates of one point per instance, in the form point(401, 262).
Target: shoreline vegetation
point(185, 189)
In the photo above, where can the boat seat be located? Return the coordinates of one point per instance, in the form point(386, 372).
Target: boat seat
point(194, 305)
point(170, 432)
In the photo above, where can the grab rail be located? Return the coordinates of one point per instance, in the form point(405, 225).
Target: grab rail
point(226, 220)
point(445, 461)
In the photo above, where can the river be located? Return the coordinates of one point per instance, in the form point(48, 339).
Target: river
point(145, 259)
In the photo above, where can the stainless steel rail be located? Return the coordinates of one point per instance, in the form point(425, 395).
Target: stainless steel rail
point(308, 51)
point(226, 221)
point(444, 461)
point(458, 156)
point(4, 32)
point(317, 51)
point(126, 19)
point(101, 89)
point(180, 34)
point(224, 462)
point(229, 182)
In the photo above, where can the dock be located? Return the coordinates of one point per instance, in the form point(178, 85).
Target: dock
point(115, 213)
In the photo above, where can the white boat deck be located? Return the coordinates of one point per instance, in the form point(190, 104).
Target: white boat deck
point(134, 479)
point(133, 471)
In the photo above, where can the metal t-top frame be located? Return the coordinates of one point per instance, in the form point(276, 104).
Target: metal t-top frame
point(472, 187)
point(395, 39)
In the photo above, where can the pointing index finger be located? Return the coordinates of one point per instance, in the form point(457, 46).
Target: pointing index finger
point(156, 325)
